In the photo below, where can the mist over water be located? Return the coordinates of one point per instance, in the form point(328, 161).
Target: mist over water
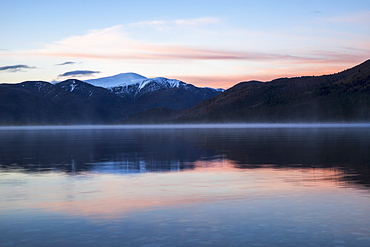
point(193, 185)
point(191, 126)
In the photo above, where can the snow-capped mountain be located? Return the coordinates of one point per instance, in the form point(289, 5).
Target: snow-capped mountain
point(117, 80)
point(148, 93)
point(134, 85)
point(104, 100)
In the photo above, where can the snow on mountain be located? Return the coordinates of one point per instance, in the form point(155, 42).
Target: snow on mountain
point(129, 79)
point(133, 85)
point(117, 80)
point(145, 86)
point(158, 83)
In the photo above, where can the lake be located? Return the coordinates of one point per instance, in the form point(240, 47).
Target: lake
point(185, 185)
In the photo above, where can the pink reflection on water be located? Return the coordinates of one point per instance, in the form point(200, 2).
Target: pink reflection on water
point(109, 196)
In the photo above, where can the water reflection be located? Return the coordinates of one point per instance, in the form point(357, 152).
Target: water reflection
point(111, 196)
point(192, 187)
point(161, 150)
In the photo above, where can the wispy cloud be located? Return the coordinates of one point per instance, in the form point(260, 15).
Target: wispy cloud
point(317, 12)
point(186, 53)
point(79, 73)
point(16, 68)
point(113, 43)
point(168, 25)
point(117, 45)
point(65, 63)
point(352, 56)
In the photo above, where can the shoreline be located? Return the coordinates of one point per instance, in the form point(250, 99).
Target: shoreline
point(189, 126)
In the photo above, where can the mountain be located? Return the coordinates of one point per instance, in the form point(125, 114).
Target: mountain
point(77, 102)
point(344, 96)
point(117, 80)
point(146, 93)
point(71, 101)
point(341, 97)
point(26, 103)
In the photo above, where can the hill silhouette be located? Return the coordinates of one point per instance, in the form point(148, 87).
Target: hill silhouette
point(340, 97)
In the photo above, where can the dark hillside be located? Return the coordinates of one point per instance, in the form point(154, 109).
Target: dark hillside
point(344, 96)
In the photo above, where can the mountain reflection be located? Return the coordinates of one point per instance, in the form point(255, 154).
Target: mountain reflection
point(160, 150)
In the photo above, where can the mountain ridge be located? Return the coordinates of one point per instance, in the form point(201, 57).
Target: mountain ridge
point(343, 97)
point(155, 92)
point(76, 102)
point(339, 97)
point(129, 78)
point(333, 97)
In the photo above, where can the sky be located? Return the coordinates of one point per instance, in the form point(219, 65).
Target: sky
point(209, 43)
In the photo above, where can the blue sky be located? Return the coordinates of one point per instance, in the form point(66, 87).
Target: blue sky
point(206, 43)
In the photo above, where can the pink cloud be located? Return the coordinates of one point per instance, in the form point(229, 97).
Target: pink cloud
point(166, 25)
point(162, 52)
point(113, 43)
point(199, 65)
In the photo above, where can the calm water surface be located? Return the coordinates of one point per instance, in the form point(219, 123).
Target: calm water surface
point(219, 186)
